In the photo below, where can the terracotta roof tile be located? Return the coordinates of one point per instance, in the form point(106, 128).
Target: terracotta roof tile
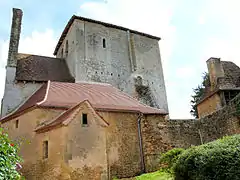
point(102, 97)
point(42, 68)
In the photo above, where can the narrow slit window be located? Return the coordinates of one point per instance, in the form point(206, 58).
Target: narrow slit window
point(16, 124)
point(84, 119)
point(104, 43)
point(45, 149)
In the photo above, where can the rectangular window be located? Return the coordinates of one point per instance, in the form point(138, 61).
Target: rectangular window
point(45, 149)
point(16, 124)
point(84, 119)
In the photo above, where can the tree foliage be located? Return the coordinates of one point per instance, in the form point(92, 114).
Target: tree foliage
point(198, 93)
point(216, 160)
point(8, 158)
point(169, 158)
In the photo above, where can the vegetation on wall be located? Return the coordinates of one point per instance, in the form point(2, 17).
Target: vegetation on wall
point(8, 158)
point(198, 93)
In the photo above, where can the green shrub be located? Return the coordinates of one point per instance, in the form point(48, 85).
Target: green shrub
point(217, 160)
point(8, 158)
point(169, 158)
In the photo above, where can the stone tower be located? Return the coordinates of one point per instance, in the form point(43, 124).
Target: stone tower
point(129, 60)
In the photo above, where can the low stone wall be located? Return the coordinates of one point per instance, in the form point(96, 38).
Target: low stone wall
point(185, 133)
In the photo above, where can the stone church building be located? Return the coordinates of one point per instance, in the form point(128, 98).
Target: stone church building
point(90, 112)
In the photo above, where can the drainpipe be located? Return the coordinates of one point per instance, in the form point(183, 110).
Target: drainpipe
point(140, 142)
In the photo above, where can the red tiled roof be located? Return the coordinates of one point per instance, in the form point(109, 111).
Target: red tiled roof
point(101, 96)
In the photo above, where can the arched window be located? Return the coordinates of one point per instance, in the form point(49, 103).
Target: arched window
point(66, 48)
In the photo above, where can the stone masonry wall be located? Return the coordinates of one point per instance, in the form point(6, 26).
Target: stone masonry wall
point(88, 60)
point(185, 133)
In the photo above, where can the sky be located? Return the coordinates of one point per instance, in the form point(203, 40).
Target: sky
point(190, 31)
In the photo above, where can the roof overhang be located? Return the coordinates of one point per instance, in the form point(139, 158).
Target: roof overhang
point(70, 22)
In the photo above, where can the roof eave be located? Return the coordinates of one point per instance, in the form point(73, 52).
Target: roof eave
point(70, 22)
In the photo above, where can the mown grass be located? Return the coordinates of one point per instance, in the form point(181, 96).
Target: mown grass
point(158, 175)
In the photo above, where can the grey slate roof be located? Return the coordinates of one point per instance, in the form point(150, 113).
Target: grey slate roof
point(42, 68)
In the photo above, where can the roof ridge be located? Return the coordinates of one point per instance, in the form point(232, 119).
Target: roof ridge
point(37, 55)
point(71, 20)
point(46, 94)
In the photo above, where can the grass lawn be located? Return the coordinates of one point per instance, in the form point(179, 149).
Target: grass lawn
point(158, 175)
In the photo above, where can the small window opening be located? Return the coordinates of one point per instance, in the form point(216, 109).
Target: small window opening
point(101, 72)
point(66, 48)
point(45, 149)
point(104, 43)
point(111, 74)
point(16, 123)
point(84, 119)
point(118, 75)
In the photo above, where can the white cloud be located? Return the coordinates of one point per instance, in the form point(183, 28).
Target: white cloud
point(40, 43)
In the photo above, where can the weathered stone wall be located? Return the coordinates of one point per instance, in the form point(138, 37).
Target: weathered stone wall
point(122, 144)
point(85, 152)
point(34, 166)
point(126, 56)
point(185, 133)
point(209, 105)
point(16, 94)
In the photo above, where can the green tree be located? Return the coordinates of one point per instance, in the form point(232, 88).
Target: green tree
point(8, 158)
point(198, 93)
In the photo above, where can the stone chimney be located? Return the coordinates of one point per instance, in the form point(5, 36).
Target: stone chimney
point(215, 71)
point(14, 37)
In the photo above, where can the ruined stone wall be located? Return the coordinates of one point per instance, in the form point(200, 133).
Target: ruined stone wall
point(185, 133)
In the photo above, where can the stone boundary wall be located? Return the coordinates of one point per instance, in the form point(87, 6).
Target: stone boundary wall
point(188, 132)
